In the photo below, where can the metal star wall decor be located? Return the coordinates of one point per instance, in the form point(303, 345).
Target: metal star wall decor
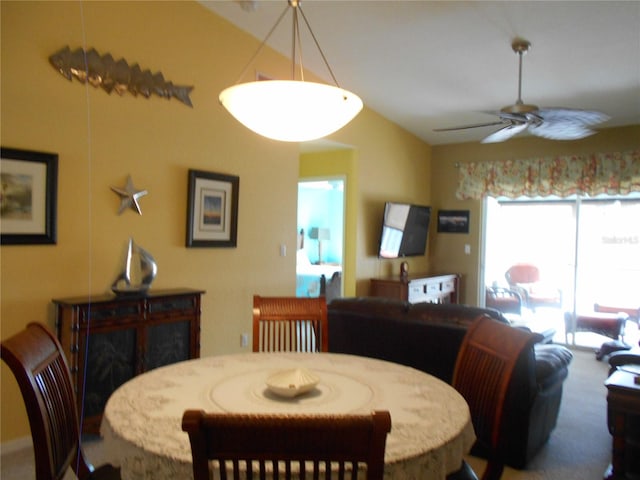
point(129, 196)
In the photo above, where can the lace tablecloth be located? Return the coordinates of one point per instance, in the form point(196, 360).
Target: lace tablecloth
point(431, 427)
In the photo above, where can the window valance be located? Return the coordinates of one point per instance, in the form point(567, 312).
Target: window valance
point(615, 173)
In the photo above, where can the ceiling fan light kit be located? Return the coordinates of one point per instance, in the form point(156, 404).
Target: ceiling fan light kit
point(554, 123)
point(291, 110)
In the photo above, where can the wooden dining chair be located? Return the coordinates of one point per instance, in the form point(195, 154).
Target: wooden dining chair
point(484, 366)
point(37, 361)
point(284, 446)
point(290, 324)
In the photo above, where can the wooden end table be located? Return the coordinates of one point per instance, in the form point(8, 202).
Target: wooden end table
point(623, 418)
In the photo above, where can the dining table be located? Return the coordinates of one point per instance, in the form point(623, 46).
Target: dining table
point(141, 426)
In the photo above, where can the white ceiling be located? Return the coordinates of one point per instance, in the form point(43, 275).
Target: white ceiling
point(433, 64)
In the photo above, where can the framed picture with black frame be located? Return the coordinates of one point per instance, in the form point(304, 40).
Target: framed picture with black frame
point(453, 221)
point(28, 200)
point(212, 209)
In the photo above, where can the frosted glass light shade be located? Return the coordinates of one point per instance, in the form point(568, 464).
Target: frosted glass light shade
point(291, 110)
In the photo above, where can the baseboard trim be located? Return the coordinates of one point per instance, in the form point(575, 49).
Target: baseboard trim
point(16, 445)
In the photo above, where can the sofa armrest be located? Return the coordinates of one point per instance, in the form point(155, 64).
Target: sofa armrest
point(552, 362)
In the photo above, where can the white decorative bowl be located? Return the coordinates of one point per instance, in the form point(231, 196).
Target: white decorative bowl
point(291, 383)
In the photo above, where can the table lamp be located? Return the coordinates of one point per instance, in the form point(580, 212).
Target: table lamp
point(319, 234)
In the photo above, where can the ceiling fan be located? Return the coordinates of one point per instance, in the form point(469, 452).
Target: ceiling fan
point(555, 123)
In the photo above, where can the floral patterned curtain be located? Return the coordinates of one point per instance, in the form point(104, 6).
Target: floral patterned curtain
point(611, 173)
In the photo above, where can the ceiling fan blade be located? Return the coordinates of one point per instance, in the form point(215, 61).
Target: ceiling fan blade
point(566, 123)
point(585, 117)
point(561, 130)
point(464, 127)
point(505, 133)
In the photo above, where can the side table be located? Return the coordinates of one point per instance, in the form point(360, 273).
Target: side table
point(623, 418)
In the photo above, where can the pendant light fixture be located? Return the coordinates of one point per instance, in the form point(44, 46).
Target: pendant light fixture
point(291, 110)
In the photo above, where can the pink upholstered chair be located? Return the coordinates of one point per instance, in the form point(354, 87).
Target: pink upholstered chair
point(525, 279)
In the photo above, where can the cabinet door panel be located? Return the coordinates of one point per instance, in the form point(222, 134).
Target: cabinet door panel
point(111, 361)
point(168, 343)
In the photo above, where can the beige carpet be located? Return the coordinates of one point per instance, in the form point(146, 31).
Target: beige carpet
point(579, 447)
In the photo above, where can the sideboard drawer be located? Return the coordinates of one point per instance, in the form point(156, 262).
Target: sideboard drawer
point(175, 305)
point(448, 286)
point(418, 291)
point(433, 287)
point(100, 312)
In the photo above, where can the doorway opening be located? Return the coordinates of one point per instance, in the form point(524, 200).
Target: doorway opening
point(587, 249)
point(321, 217)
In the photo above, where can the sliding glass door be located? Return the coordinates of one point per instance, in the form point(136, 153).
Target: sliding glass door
point(589, 249)
point(608, 253)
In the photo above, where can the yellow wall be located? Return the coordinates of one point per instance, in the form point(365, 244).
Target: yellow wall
point(448, 249)
point(102, 138)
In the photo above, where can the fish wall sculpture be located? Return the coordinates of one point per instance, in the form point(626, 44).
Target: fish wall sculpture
point(111, 75)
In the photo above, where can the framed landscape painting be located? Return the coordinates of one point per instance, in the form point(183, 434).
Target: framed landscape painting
point(212, 209)
point(28, 197)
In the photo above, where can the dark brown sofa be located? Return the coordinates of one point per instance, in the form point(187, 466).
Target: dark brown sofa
point(427, 337)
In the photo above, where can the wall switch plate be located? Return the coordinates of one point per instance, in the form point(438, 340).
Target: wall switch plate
point(244, 340)
point(467, 249)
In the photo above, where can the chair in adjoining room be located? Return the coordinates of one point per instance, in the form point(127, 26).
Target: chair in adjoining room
point(485, 363)
point(291, 324)
point(505, 300)
point(632, 311)
point(525, 279)
point(331, 288)
point(277, 445)
point(37, 361)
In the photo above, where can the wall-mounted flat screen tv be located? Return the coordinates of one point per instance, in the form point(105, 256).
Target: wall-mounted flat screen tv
point(405, 229)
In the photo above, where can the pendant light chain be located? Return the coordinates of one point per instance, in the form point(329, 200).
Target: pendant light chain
point(296, 41)
point(262, 45)
point(291, 110)
point(324, 59)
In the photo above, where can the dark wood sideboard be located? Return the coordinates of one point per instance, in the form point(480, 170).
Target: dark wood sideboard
point(109, 339)
point(418, 288)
